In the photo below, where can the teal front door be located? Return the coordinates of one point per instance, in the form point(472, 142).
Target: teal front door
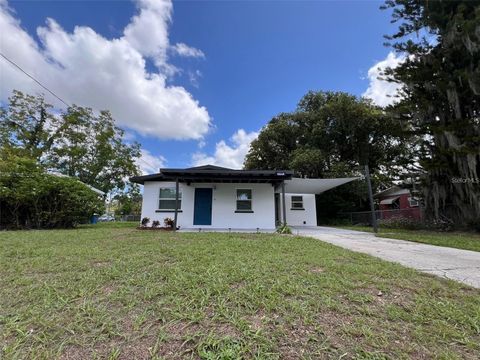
point(202, 209)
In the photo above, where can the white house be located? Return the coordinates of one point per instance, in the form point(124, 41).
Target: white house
point(212, 197)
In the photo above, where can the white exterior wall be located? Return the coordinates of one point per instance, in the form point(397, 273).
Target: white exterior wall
point(223, 205)
point(307, 217)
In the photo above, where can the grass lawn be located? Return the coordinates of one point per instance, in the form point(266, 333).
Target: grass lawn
point(459, 240)
point(110, 291)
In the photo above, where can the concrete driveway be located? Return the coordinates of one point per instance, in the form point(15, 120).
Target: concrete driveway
point(455, 264)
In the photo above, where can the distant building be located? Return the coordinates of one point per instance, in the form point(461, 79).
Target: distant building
point(398, 202)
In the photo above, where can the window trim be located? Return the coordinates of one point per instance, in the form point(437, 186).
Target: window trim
point(297, 202)
point(159, 209)
point(410, 199)
point(237, 210)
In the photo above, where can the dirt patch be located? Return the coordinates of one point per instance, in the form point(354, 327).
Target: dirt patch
point(157, 228)
point(238, 285)
point(100, 263)
point(140, 349)
point(317, 270)
point(256, 321)
point(402, 297)
point(297, 341)
point(108, 289)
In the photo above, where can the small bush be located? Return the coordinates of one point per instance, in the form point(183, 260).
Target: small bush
point(284, 229)
point(401, 223)
point(145, 221)
point(155, 223)
point(168, 222)
point(30, 198)
point(474, 225)
point(443, 225)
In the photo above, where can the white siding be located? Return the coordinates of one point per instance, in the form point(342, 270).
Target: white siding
point(223, 205)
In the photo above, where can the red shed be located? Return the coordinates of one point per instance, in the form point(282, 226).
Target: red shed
point(398, 202)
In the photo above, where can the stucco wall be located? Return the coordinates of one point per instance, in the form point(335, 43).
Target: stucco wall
point(223, 205)
point(307, 217)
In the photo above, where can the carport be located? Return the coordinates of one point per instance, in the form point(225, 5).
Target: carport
point(307, 186)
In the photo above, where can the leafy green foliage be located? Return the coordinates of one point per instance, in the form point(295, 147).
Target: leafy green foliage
point(77, 142)
point(128, 202)
point(31, 198)
point(330, 134)
point(284, 229)
point(333, 134)
point(441, 99)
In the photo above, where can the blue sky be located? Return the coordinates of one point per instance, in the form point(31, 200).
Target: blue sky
point(243, 62)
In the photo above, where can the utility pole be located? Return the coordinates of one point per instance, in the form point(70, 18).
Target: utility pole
point(370, 197)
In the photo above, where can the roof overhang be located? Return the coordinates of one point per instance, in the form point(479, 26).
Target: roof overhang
point(218, 175)
point(389, 201)
point(314, 186)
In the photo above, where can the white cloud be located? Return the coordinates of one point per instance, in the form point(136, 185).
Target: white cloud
point(149, 163)
point(194, 76)
point(187, 51)
point(380, 91)
point(230, 156)
point(87, 69)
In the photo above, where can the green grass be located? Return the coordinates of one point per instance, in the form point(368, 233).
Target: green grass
point(113, 292)
point(458, 240)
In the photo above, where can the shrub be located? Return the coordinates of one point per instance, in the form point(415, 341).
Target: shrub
point(401, 223)
point(474, 225)
point(442, 224)
point(284, 229)
point(155, 223)
point(145, 221)
point(32, 198)
point(168, 222)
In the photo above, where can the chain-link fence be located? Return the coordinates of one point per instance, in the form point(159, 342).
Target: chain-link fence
point(130, 217)
point(365, 217)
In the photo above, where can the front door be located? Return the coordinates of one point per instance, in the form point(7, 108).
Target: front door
point(202, 210)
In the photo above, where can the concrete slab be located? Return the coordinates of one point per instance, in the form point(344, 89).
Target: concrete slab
point(226, 230)
point(455, 264)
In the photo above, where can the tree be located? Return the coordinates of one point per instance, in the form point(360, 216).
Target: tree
point(76, 142)
point(333, 134)
point(441, 99)
point(27, 126)
point(329, 134)
point(128, 202)
point(92, 149)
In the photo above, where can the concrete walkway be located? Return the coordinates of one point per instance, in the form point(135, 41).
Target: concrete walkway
point(455, 264)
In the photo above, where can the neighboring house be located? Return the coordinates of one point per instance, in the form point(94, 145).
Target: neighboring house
point(398, 202)
point(95, 190)
point(212, 197)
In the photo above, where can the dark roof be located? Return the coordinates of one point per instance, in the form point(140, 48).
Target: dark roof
point(208, 167)
point(211, 173)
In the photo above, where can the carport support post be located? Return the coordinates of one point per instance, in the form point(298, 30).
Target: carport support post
point(370, 197)
point(284, 206)
point(176, 206)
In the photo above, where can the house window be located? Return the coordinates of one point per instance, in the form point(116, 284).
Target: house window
point(244, 200)
point(413, 202)
point(166, 199)
point(297, 202)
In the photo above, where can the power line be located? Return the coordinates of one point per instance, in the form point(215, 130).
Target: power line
point(31, 77)
point(51, 92)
